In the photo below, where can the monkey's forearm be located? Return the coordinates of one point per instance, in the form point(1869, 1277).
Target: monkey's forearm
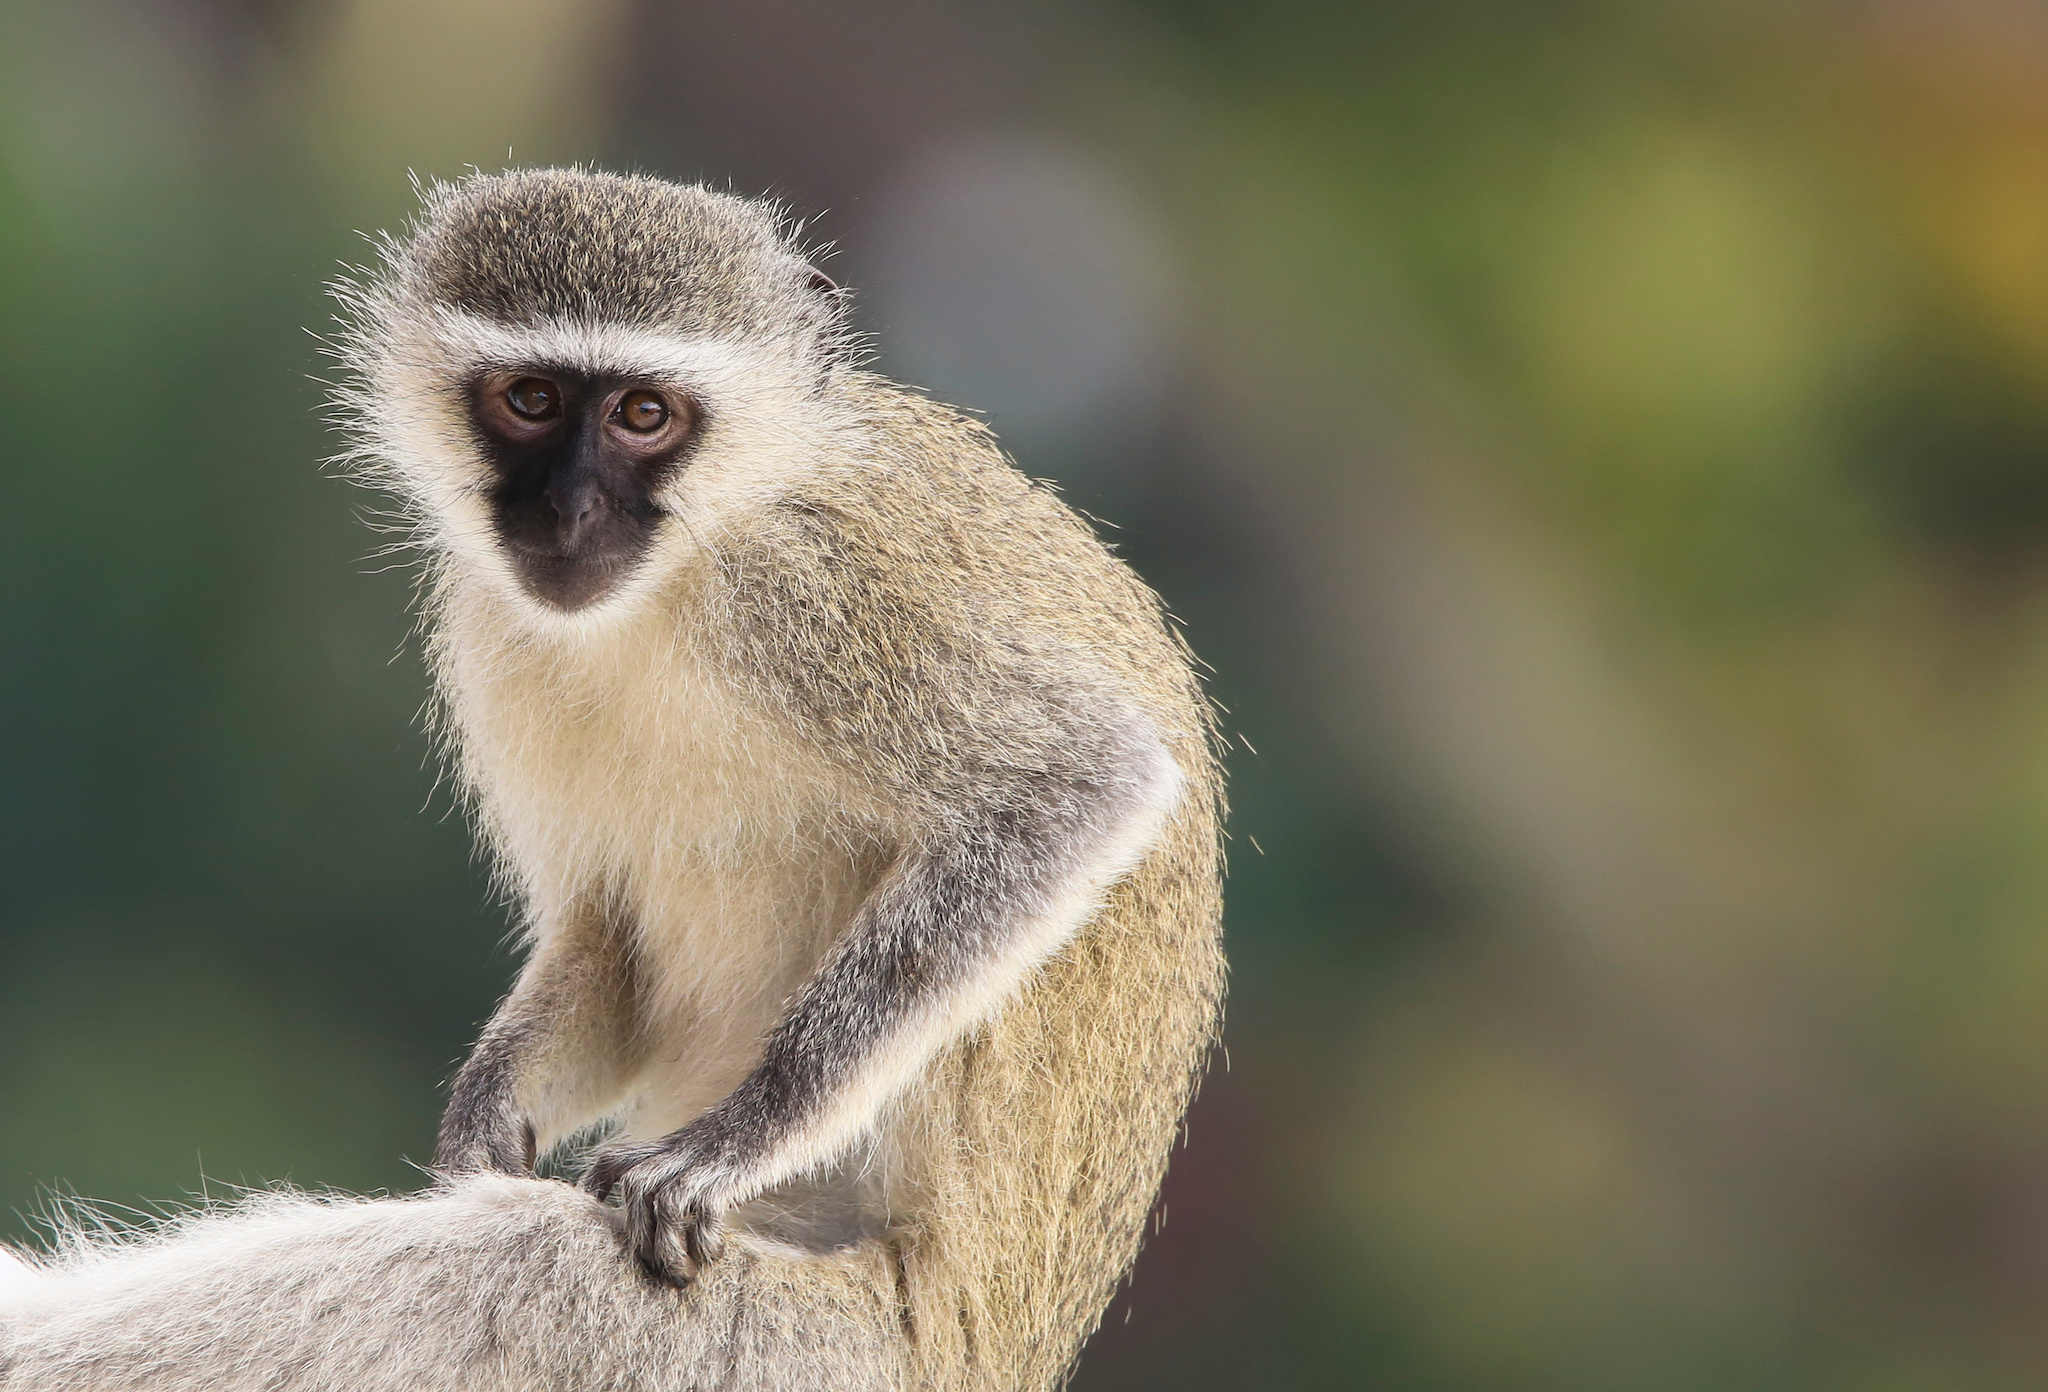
point(954, 930)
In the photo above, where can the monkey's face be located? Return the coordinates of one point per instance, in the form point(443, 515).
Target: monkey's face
point(577, 463)
point(582, 470)
point(580, 383)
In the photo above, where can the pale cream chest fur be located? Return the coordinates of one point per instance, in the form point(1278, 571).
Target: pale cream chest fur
point(618, 762)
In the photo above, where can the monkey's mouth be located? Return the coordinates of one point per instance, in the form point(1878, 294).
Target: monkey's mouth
point(568, 583)
point(571, 563)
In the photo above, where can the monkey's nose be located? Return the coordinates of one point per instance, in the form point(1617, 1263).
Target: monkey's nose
point(574, 503)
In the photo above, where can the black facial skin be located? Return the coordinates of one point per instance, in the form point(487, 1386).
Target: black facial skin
point(576, 461)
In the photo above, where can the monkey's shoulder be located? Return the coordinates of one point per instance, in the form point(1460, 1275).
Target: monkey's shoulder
point(938, 604)
point(923, 502)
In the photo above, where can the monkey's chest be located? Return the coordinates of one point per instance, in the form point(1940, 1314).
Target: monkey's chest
point(732, 900)
point(732, 852)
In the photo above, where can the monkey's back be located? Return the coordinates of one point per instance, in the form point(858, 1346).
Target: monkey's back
point(943, 608)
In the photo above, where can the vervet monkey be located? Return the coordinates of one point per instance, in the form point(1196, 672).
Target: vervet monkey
point(863, 813)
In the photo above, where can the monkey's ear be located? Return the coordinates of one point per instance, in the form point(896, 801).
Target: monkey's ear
point(821, 282)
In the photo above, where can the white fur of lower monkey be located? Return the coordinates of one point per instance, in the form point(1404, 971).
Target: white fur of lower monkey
point(18, 1280)
point(491, 1284)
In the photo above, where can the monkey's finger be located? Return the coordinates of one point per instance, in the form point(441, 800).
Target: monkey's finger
point(609, 1168)
point(703, 1237)
point(643, 1234)
point(667, 1253)
point(600, 1180)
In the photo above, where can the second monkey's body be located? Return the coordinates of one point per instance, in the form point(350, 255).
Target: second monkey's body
point(861, 805)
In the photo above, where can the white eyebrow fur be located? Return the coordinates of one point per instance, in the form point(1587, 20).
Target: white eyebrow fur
point(598, 349)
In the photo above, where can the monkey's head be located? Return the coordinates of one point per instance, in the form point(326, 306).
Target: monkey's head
point(571, 377)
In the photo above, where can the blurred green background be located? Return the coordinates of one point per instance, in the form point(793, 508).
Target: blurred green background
point(1601, 447)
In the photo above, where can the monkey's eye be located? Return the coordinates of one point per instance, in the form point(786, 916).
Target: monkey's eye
point(535, 398)
point(641, 412)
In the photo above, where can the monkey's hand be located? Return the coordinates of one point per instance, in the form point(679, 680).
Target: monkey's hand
point(471, 1141)
point(674, 1193)
point(484, 1127)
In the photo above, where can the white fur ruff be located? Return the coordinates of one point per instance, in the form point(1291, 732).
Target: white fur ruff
point(18, 1281)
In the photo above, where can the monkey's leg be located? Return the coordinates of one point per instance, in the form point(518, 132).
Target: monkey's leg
point(552, 1057)
point(954, 928)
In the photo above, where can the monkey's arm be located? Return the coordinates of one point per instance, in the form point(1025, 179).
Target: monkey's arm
point(554, 1051)
point(961, 919)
